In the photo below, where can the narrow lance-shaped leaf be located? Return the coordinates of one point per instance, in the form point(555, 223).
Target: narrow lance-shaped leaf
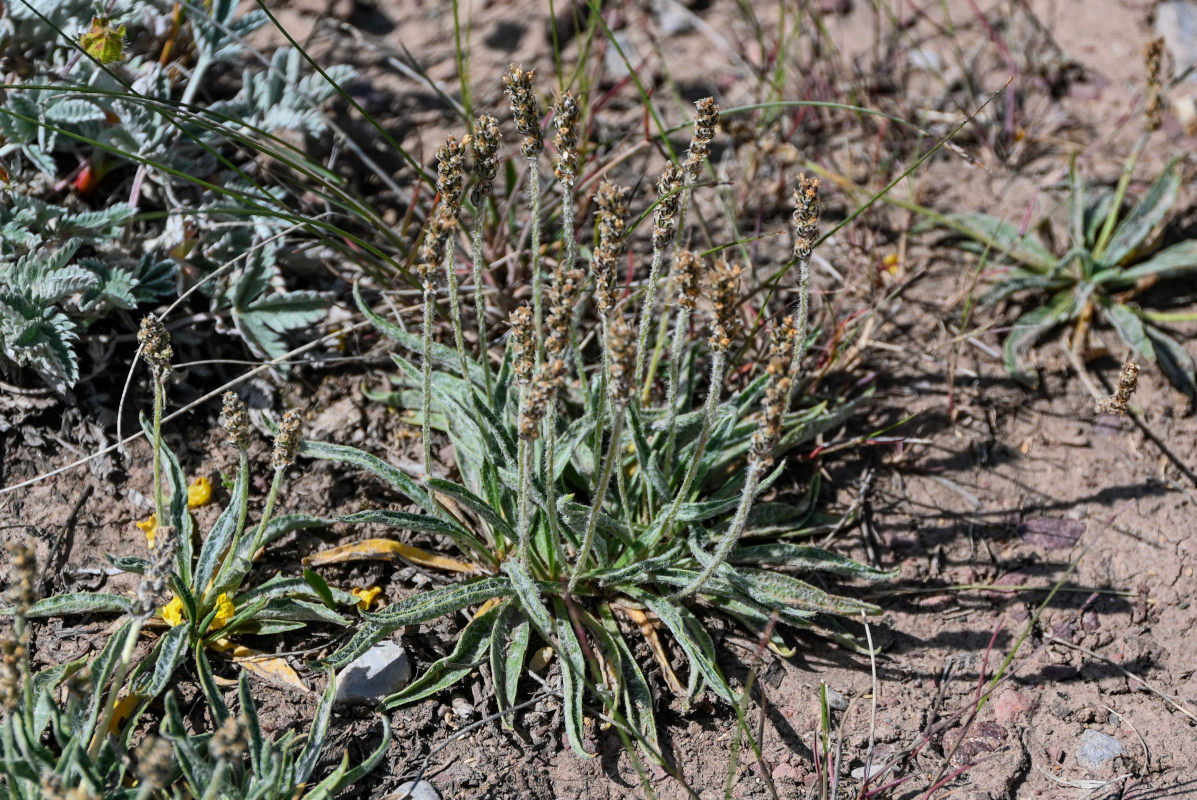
point(471, 647)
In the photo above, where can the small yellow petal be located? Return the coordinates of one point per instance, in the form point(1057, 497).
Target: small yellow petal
point(172, 613)
point(199, 493)
point(150, 526)
point(121, 710)
point(225, 610)
point(366, 597)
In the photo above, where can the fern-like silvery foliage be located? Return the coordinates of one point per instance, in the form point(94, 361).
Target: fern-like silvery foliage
point(34, 332)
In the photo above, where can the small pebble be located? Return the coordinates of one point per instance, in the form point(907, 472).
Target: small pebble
point(461, 707)
point(415, 790)
point(1097, 749)
point(380, 671)
point(836, 700)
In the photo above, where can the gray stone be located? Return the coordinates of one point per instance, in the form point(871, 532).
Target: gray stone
point(415, 790)
point(1097, 749)
point(380, 671)
point(1176, 21)
point(836, 700)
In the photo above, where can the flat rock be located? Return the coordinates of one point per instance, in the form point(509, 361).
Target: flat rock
point(415, 790)
point(1097, 749)
point(380, 671)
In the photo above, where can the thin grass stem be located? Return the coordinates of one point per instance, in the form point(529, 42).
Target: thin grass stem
point(455, 312)
point(480, 303)
point(600, 495)
point(426, 389)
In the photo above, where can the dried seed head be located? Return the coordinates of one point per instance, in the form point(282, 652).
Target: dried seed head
point(725, 300)
point(450, 158)
point(286, 444)
point(23, 577)
point(236, 421)
point(706, 124)
point(486, 163)
point(563, 295)
point(152, 587)
point(621, 361)
point(782, 341)
point(228, 742)
point(522, 344)
point(669, 200)
point(687, 269)
point(518, 85)
point(612, 202)
point(1128, 381)
point(565, 120)
point(14, 663)
point(1154, 56)
point(155, 345)
point(806, 217)
point(436, 239)
point(542, 393)
point(155, 758)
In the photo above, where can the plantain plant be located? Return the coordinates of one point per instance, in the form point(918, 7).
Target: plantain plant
point(594, 503)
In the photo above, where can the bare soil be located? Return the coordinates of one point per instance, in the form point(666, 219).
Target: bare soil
point(993, 495)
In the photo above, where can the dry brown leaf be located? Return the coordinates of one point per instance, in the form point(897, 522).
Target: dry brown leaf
point(387, 550)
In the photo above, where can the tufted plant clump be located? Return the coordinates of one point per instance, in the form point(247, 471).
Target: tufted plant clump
point(594, 503)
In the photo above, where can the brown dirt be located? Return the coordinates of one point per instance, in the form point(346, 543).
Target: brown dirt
point(1017, 489)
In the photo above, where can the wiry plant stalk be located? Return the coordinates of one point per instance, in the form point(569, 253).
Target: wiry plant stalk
point(157, 352)
point(806, 232)
point(518, 85)
point(486, 147)
point(621, 359)
point(436, 238)
point(664, 229)
point(523, 349)
point(782, 345)
point(687, 269)
point(450, 179)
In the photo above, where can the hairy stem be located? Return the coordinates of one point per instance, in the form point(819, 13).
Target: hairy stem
point(455, 312)
point(426, 389)
point(159, 498)
point(646, 312)
point(523, 509)
point(675, 370)
point(480, 303)
point(609, 459)
point(751, 481)
point(534, 235)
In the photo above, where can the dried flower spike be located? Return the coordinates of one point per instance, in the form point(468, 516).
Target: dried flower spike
point(518, 85)
point(563, 295)
point(522, 343)
point(565, 121)
point(1154, 56)
point(436, 237)
point(706, 124)
point(485, 142)
point(23, 576)
point(13, 658)
point(155, 345)
point(541, 394)
point(612, 202)
point(228, 742)
point(1128, 381)
point(782, 340)
point(725, 299)
point(450, 158)
point(687, 269)
point(154, 764)
point(286, 444)
point(153, 583)
point(236, 421)
point(621, 351)
point(669, 200)
point(806, 217)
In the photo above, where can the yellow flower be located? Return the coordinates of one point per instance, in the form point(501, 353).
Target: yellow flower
point(224, 611)
point(150, 526)
point(172, 612)
point(199, 493)
point(121, 710)
point(366, 597)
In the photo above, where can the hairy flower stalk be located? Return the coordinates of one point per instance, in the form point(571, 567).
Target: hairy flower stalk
point(518, 85)
point(436, 238)
point(286, 447)
point(783, 342)
point(687, 273)
point(669, 186)
point(725, 301)
point(806, 233)
point(485, 142)
point(523, 347)
point(620, 360)
point(157, 352)
point(706, 125)
point(450, 158)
